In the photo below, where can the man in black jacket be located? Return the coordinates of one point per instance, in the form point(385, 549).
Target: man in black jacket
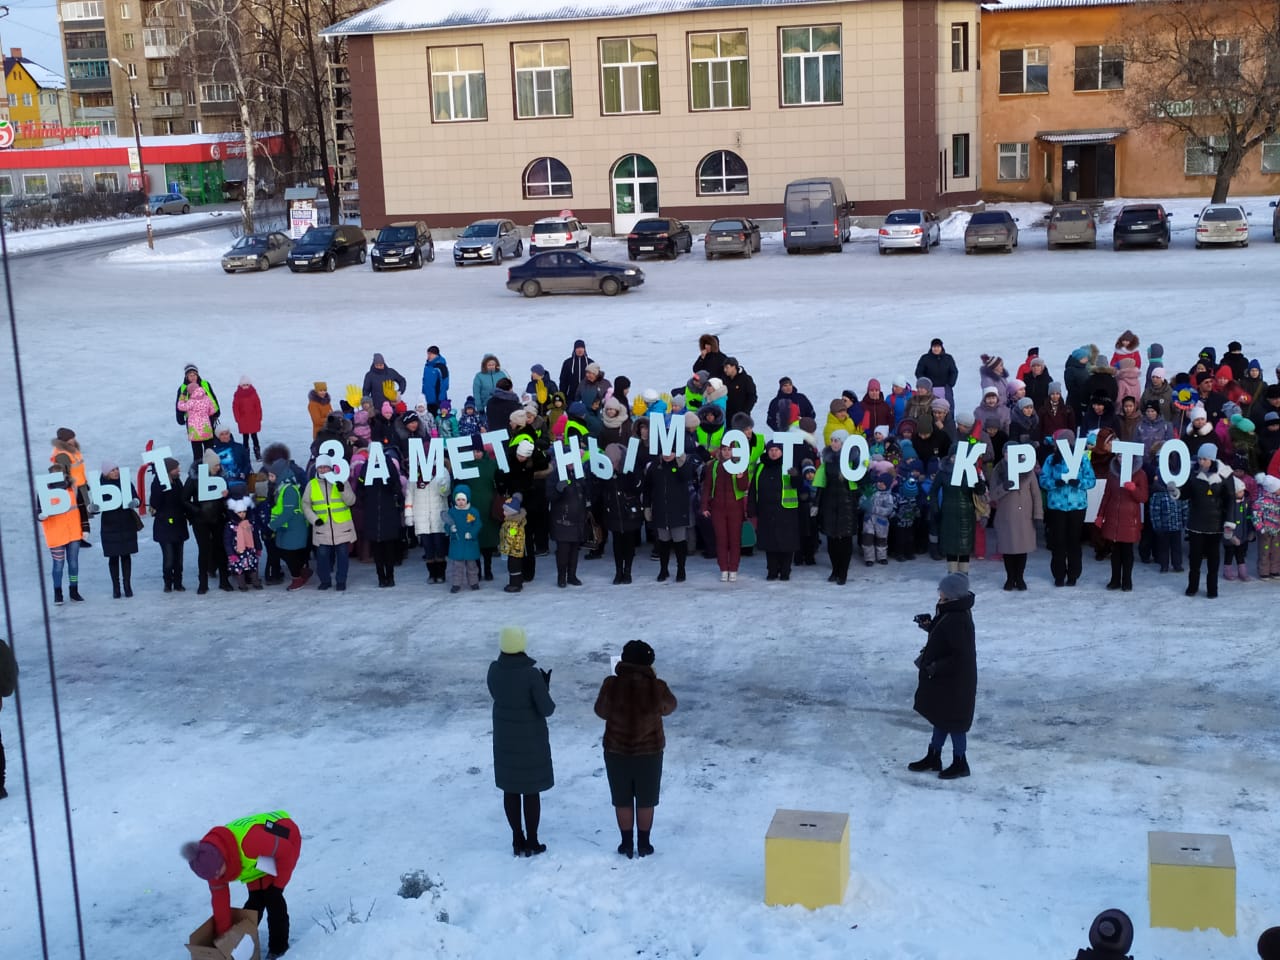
point(940, 367)
point(574, 369)
point(742, 389)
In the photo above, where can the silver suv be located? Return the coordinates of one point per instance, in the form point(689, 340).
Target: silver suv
point(559, 233)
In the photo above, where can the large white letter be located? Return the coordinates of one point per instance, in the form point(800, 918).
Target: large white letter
point(855, 441)
point(966, 468)
point(54, 499)
point(790, 439)
point(461, 452)
point(1127, 451)
point(1167, 473)
point(664, 438)
point(497, 440)
point(1072, 456)
point(601, 465)
point(569, 459)
point(208, 487)
point(108, 496)
point(1022, 459)
point(633, 448)
point(155, 457)
point(337, 455)
point(376, 468)
point(736, 439)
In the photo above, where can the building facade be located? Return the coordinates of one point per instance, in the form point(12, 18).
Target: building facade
point(36, 98)
point(1057, 121)
point(693, 108)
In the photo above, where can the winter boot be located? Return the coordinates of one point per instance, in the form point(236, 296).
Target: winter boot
point(74, 592)
point(115, 588)
point(1228, 571)
point(224, 583)
point(572, 579)
point(628, 845)
point(664, 556)
point(255, 580)
point(643, 847)
point(488, 566)
point(168, 584)
point(57, 594)
point(617, 572)
point(959, 768)
point(1244, 573)
point(930, 762)
point(242, 581)
point(626, 570)
point(682, 552)
point(515, 585)
point(935, 551)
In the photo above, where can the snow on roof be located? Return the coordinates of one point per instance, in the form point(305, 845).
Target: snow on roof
point(44, 78)
point(399, 16)
point(1000, 6)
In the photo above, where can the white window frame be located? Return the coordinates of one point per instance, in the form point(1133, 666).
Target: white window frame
point(28, 179)
point(124, 11)
point(1222, 49)
point(703, 71)
point(554, 81)
point(13, 99)
point(82, 10)
point(128, 41)
point(1031, 57)
point(209, 91)
point(26, 100)
point(106, 182)
point(1195, 148)
point(107, 128)
point(960, 47)
point(1096, 62)
point(132, 69)
point(1271, 147)
point(803, 58)
point(460, 108)
point(631, 75)
point(1020, 154)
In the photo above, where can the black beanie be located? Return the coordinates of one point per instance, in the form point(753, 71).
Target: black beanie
point(639, 652)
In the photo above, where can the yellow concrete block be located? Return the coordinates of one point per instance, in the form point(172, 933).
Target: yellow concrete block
point(806, 858)
point(1191, 880)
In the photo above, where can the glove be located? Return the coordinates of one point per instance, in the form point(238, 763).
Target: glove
point(133, 504)
point(1059, 482)
point(151, 511)
point(466, 536)
point(1074, 483)
point(1228, 529)
point(94, 510)
point(340, 486)
point(389, 390)
point(353, 396)
point(546, 677)
point(1011, 486)
point(319, 521)
point(1130, 486)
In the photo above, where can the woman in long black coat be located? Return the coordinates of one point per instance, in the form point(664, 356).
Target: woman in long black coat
point(623, 514)
point(837, 510)
point(948, 685)
point(775, 505)
point(382, 513)
point(119, 532)
point(521, 744)
point(169, 526)
point(569, 501)
point(666, 503)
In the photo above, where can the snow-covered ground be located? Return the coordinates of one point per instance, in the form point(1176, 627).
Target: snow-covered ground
point(1100, 716)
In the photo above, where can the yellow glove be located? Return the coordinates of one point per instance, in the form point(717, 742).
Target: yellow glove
point(353, 396)
point(638, 406)
point(389, 390)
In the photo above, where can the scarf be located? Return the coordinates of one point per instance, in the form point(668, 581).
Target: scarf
point(244, 536)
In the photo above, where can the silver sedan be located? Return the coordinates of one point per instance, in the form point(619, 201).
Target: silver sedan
point(910, 230)
point(169, 203)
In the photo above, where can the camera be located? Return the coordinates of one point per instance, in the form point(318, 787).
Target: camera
point(922, 618)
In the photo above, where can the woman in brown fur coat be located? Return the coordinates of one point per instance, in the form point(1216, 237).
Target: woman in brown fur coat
point(632, 704)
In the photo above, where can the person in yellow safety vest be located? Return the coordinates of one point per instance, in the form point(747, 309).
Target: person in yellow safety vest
point(710, 428)
point(774, 503)
point(327, 507)
point(260, 851)
point(744, 423)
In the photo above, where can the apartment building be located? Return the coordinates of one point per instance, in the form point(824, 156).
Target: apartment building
point(36, 98)
point(624, 108)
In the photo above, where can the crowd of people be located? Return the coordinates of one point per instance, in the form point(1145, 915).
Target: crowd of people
point(287, 519)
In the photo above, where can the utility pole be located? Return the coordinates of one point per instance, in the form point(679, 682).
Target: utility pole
point(137, 138)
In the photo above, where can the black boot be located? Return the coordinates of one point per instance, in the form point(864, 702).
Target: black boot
point(628, 845)
point(519, 846)
point(74, 593)
point(57, 594)
point(664, 557)
point(514, 586)
point(643, 846)
point(959, 768)
point(115, 589)
point(488, 566)
point(930, 762)
point(573, 571)
point(682, 553)
point(626, 571)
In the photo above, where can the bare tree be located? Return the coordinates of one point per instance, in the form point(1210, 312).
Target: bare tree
point(1209, 69)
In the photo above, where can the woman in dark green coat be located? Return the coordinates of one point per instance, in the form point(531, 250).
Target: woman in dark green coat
point(521, 745)
point(482, 501)
point(957, 516)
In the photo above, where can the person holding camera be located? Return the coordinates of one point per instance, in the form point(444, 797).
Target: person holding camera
point(948, 685)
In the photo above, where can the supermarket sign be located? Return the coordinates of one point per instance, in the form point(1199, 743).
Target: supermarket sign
point(10, 131)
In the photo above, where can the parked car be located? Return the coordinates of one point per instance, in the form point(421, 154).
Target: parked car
point(659, 237)
point(169, 203)
point(736, 235)
point(405, 243)
point(1141, 224)
point(560, 233)
point(487, 240)
point(1072, 223)
point(910, 230)
point(27, 209)
point(234, 189)
point(328, 248)
point(257, 251)
point(572, 271)
point(128, 201)
point(991, 229)
point(1275, 222)
point(816, 215)
point(1222, 223)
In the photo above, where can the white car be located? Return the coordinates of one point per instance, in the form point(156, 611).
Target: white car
point(1222, 223)
point(910, 230)
point(565, 232)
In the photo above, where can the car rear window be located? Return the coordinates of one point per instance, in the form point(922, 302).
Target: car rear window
point(987, 218)
point(553, 226)
point(1071, 213)
point(1149, 215)
point(902, 218)
point(652, 226)
point(1220, 214)
point(727, 225)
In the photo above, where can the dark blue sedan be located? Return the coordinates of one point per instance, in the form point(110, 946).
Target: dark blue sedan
point(572, 271)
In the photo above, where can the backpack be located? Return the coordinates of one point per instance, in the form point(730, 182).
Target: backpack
point(8, 671)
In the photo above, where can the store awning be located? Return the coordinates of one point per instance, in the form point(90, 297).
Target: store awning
point(1081, 136)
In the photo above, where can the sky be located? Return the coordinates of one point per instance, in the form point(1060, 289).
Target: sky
point(33, 26)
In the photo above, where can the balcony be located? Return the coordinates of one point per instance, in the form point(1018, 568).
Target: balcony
point(163, 81)
point(168, 111)
point(159, 51)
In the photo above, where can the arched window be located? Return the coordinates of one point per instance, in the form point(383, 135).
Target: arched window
point(722, 172)
point(547, 177)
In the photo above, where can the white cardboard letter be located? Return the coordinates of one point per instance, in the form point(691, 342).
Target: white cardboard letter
point(336, 453)
point(737, 465)
point(665, 438)
point(569, 459)
point(376, 468)
point(855, 441)
point(497, 440)
point(1072, 456)
point(1128, 452)
point(108, 496)
point(967, 456)
point(53, 501)
point(1167, 473)
point(155, 457)
point(601, 465)
point(461, 453)
point(790, 439)
point(1022, 459)
point(209, 487)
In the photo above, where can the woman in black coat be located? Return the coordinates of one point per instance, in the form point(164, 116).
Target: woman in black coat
point(169, 525)
point(1210, 495)
point(666, 503)
point(775, 505)
point(569, 502)
point(119, 532)
point(948, 684)
point(623, 515)
point(382, 509)
point(838, 511)
point(521, 744)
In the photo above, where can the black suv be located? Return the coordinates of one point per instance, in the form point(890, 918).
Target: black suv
point(328, 248)
point(1141, 223)
point(659, 237)
point(406, 243)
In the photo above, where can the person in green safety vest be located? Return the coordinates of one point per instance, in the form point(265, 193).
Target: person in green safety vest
point(260, 851)
point(744, 423)
point(773, 502)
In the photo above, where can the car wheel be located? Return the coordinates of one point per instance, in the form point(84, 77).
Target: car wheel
point(186, 208)
point(588, 244)
point(531, 288)
point(519, 248)
point(417, 261)
point(1244, 243)
point(610, 286)
point(1009, 248)
point(497, 255)
point(925, 248)
point(630, 255)
point(263, 264)
point(330, 264)
point(159, 211)
point(1199, 245)
point(364, 255)
point(458, 264)
point(673, 251)
point(1164, 244)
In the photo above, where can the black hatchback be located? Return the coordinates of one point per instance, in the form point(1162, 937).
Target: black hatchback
point(1141, 224)
point(327, 248)
point(659, 237)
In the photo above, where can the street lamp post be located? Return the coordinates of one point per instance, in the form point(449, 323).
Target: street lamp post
point(137, 137)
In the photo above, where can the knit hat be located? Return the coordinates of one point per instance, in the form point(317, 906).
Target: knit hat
point(1254, 365)
point(881, 431)
point(935, 342)
point(873, 384)
point(203, 858)
point(1151, 404)
point(953, 586)
point(1036, 361)
point(990, 392)
point(577, 410)
point(446, 406)
point(1158, 372)
point(109, 465)
point(386, 409)
point(1230, 409)
point(594, 369)
point(1271, 417)
point(1238, 422)
point(579, 343)
point(189, 368)
point(469, 402)
point(1026, 403)
point(991, 359)
point(638, 652)
point(901, 381)
point(991, 423)
point(320, 386)
point(518, 418)
point(1198, 413)
point(1063, 434)
point(691, 421)
point(940, 405)
point(539, 369)
point(65, 434)
point(211, 459)
point(512, 640)
point(839, 436)
point(524, 449)
point(1207, 451)
point(511, 506)
point(651, 396)
point(837, 405)
point(1015, 385)
point(410, 418)
point(1271, 485)
point(377, 358)
point(239, 504)
point(965, 419)
point(924, 383)
point(1111, 933)
point(222, 428)
point(742, 421)
point(906, 427)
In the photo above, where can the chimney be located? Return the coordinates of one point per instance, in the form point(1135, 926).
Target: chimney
point(15, 53)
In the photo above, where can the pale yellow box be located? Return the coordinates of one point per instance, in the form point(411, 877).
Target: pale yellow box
point(1191, 881)
point(806, 858)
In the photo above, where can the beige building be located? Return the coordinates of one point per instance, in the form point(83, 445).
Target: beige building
point(693, 108)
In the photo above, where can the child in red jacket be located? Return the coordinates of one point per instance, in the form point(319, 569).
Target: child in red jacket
point(247, 408)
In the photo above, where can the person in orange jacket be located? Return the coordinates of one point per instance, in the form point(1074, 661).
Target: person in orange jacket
point(259, 850)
